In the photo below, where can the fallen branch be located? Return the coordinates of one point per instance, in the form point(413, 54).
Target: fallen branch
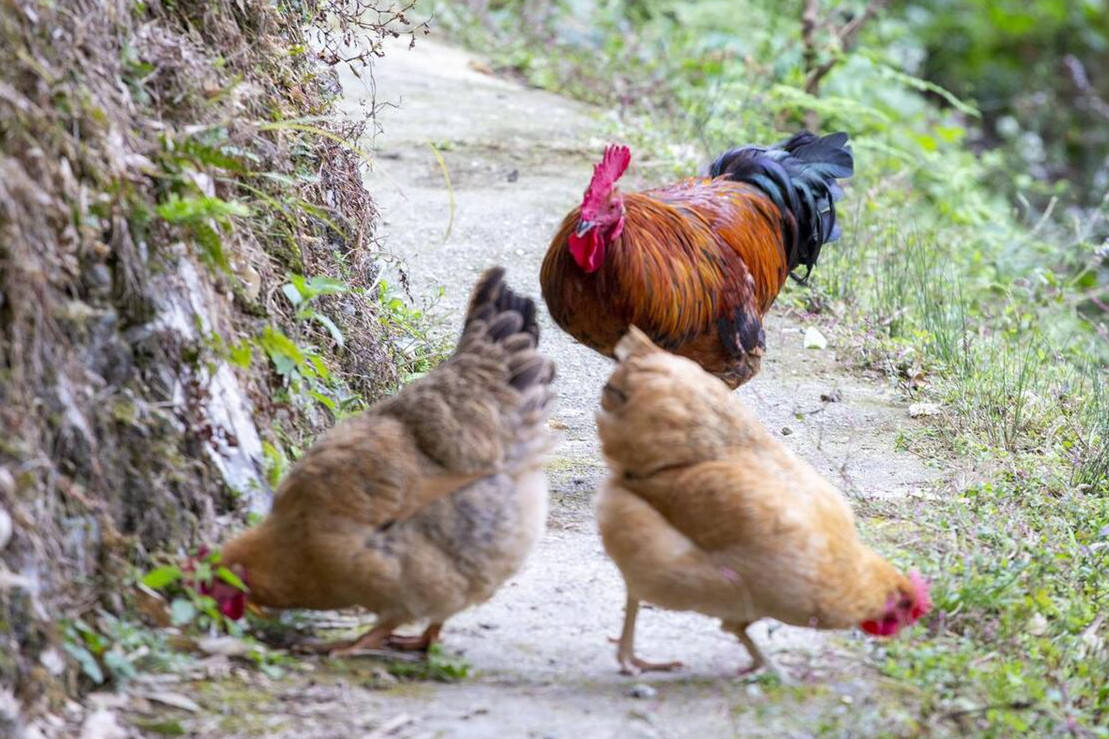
point(847, 35)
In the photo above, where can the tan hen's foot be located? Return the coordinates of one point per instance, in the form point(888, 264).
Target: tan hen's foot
point(637, 665)
point(632, 665)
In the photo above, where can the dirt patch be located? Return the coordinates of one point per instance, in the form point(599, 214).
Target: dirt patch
point(518, 159)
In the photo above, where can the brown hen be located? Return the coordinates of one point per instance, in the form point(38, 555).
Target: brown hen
point(424, 504)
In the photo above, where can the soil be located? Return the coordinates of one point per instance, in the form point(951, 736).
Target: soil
point(541, 666)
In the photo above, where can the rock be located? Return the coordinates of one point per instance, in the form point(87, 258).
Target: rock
point(5, 527)
point(832, 396)
point(52, 660)
point(176, 700)
point(102, 724)
point(251, 281)
point(642, 690)
point(814, 339)
point(381, 679)
point(1037, 625)
point(226, 646)
point(786, 431)
point(917, 410)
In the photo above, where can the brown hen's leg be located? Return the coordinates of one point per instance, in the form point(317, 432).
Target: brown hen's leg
point(372, 639)
point(758, 658)
point(625, 652)
point(419, 643)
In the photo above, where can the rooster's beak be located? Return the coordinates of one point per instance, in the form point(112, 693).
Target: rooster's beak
point(583, 227)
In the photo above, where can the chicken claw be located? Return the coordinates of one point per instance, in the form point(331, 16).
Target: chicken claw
point(758, 659)
point(625, 652)
point(632, 665)
point(372, 639)
point(419, 643)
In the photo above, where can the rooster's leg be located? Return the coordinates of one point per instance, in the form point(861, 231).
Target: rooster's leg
point(625, 652)
point(758, 658)
point(419, 643)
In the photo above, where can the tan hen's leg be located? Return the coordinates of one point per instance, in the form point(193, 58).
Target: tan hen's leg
point(758, 658)
point(419, 643)
point(625, 652)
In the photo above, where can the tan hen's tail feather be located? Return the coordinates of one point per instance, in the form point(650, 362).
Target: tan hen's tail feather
point(635, 343)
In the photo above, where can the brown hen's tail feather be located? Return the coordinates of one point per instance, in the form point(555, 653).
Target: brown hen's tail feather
point(492, 297)
point(509, 319)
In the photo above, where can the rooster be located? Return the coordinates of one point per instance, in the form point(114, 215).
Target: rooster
point(706, 511)
point(424, 504)
point(696, 265)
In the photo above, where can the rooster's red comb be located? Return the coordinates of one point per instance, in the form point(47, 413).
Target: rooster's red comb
point(615, 160)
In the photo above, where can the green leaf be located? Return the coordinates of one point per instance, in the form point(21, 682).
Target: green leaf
point(271, 671)
point(277, 344)
point(87, 662)
point(119, 665)
point(212, 156)
point(161, 577)
point(327, 402)
point(230, 578)
point(332, 329)
point(324, 285)
point(210, 241)
point(182, 611)
point(242, 354)
point(292, 293)
point(192, 210)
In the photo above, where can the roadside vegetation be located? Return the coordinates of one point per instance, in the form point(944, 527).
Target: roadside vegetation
point(972, 274)
point(190, 290)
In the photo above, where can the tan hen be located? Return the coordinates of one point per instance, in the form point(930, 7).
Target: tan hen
point(706, 511)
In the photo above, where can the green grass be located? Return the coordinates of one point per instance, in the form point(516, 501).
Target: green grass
point(938, 284)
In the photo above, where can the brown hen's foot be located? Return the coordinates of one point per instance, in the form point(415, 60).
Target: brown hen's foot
point(419, 643)
point(372, 639)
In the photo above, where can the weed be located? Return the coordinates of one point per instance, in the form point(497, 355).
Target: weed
point(438, 666)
